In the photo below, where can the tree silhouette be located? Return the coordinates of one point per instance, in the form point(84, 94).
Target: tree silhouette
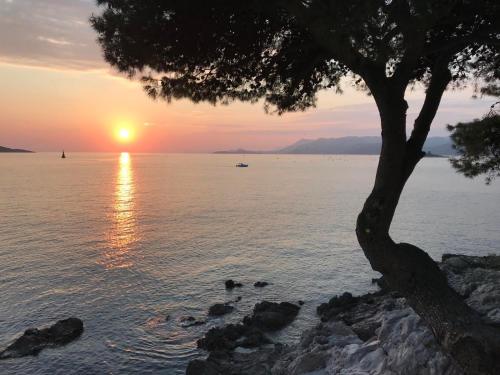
point(478, 144)
point(284, 52)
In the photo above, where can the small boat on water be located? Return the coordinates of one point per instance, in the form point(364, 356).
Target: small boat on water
point(63, 156)
point(241, 165)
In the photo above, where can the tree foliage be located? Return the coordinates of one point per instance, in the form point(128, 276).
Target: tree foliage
point(478, 144)
point(285, 51)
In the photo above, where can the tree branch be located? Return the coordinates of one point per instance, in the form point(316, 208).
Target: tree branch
point(440, 78)
point(317, 24)
point(455, 46)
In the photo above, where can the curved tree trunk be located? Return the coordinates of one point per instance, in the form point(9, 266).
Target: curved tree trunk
point(408, 269)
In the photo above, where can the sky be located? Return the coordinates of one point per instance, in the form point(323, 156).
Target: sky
point(57, 92)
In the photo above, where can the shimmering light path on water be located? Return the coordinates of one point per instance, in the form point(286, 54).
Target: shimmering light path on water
point(124, 241)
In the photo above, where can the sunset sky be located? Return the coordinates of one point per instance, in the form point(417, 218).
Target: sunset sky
point(57, 92)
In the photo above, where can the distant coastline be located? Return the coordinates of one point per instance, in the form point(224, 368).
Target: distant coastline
point(434, 147)
point(7, 149)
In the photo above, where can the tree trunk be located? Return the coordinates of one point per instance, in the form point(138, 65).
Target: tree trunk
point(408, 269)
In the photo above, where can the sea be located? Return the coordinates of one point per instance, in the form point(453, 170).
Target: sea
point(133, 244)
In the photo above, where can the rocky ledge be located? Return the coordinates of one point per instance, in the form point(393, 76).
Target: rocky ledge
point(34, 340)
point(374, 334)
point(230, 346)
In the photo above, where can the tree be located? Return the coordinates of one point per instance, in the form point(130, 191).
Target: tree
point(284, 52)
point(478, 144)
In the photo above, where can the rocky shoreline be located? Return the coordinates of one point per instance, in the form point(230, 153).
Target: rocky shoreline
point(34, 340)
point(377, 333)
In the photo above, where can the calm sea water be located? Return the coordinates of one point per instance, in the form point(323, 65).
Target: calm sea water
point(123, 241)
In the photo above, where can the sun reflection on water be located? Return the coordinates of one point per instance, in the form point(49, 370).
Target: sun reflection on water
point(123, 231)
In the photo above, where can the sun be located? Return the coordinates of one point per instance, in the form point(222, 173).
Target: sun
point(124, 134)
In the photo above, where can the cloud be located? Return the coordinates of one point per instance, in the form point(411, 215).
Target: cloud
point(58, 42)
point(49, 33)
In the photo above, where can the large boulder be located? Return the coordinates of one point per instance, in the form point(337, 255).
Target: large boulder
point(272, 316)
point(477, 280)
point(267, 316)
point(220, 309)
point(222, 338)
point(34, 340)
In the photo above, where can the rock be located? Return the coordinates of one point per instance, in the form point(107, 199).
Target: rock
point(477, 279)
point(220, 309)
point(231, 336)
point(200, 367)
point(238, 363)
point(34, 340)
point(308, 362)
point(191, 321)
point(271, 316)
point(490, 262)
point(260, 284)
point(397, 342)
point(222, 339)
point(225, 339)
point(230, 284)
point(382, 284)
point(376, 333)
point(254, 338)
point(301, 303)
point(267, 316)
point(336, 305)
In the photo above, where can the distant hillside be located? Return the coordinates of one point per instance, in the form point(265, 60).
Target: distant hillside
point(6, 149)
point(239, 151)
point(344, 145)
point(349, 146)
point(360, 146)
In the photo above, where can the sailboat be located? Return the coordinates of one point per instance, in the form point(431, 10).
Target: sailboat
point(63, 156)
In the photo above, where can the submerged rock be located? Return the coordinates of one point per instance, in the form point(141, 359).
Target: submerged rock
point(261, 284)
point(191, 321)
point(34, 340)
point(230, 284)
point(220, 309)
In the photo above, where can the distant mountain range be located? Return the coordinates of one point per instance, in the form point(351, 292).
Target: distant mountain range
point(348, 146)
point(6, 149)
